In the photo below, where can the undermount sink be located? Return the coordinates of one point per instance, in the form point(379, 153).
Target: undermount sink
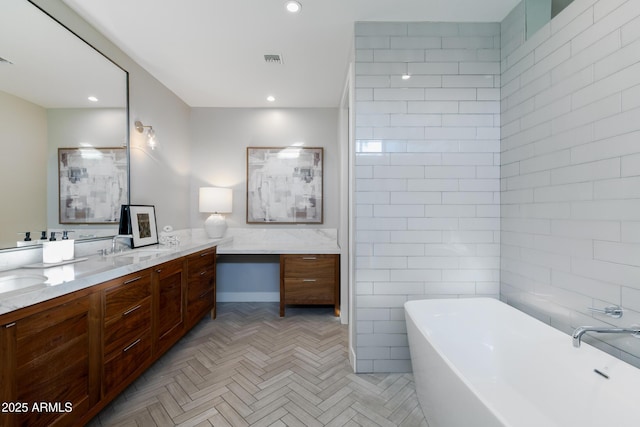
point(21, 282)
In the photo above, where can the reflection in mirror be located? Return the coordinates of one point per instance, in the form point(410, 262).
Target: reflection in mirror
point(56, 91)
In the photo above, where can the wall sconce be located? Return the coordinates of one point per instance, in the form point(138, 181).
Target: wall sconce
point(215, 200)
point(151, 134)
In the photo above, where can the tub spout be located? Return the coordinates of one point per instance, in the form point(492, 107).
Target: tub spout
point(579, 332)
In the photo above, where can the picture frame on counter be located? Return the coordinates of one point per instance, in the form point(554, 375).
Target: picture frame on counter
point(140, 222)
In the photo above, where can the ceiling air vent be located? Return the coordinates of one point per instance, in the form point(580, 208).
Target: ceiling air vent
point(273, 59)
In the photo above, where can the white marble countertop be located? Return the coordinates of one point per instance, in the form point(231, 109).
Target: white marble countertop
point(96, 269)
point(279, 241)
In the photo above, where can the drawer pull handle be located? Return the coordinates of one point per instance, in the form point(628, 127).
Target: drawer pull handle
point(10, 325)
point(130, 346)
point(202, 273)
point(310, 258)
point(131, 310)
point(204, 294)
point(135, 279)
point(308, 280)
point(159, 271)
point(206, 253)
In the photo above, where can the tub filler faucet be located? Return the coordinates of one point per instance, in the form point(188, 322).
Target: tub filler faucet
point(579, 332)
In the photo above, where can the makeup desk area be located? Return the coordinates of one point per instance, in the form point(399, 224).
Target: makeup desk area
point(308, 260)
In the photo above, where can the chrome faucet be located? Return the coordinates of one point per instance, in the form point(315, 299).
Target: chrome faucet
point(115, 240)
point(579, 332)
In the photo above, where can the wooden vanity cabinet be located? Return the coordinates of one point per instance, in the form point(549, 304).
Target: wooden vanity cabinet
point(127, 329)
point(70, 356)
point(168, 281)
point(49, 373)
point(309, 279)
point(201, 285)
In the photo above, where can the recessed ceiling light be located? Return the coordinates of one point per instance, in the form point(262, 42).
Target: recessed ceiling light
point(406, 76)
point(271, 98)
point(293, 6)
point(92, 99)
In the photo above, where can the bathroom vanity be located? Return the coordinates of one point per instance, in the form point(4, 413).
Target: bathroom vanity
point(77, 336)
point(64, 358)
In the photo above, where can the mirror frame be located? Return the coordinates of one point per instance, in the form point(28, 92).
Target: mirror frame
point(127, 131)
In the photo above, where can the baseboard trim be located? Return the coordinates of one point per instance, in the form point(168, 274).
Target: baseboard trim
point(248, 297)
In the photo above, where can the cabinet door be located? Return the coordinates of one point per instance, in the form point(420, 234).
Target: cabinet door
point(169, 279)
point(49, 366)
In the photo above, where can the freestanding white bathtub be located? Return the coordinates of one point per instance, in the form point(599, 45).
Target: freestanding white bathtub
point(478, 362)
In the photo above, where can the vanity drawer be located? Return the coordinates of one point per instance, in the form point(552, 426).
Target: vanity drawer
point(121, 331)
point(200, 284)
point(126, 361)
point(309, 266)
point(201, 261)
point(127, 293)
point(309, 291)
point(199, 306)
point(309, 279)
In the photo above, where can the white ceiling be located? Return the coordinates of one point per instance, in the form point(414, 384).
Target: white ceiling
point(210, 52)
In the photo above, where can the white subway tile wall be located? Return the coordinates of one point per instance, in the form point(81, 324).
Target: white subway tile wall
point(570, 172)
point(427, 175)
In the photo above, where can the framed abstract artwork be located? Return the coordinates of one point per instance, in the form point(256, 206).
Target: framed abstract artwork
point(284, 185)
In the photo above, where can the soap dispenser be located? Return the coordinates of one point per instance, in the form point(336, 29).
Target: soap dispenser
point(67, 246)
point(27, 239)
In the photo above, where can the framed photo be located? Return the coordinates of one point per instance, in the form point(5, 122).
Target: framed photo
point(284, 185)
point(92, 184)
point(142, 220)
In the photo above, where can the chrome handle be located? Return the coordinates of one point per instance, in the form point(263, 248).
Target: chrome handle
point(131, 310)
point(308, 280)
point(611, 311)
point(130, 346)
point(132, 280)
point(206, 253)
point(310, 258)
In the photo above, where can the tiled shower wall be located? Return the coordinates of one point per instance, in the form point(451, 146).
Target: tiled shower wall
point(570, 173)
point(427, 175)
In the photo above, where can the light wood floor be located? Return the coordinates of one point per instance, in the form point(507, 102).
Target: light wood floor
point(249, 367)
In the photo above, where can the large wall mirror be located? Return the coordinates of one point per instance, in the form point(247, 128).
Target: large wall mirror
point(47, 76)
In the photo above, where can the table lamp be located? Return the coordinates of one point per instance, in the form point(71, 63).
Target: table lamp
point(215, 200)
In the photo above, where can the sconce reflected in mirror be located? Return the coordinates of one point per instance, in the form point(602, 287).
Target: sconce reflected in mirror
point(151, 134)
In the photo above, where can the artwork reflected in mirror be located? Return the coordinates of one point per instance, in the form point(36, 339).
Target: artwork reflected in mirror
point(92, 184)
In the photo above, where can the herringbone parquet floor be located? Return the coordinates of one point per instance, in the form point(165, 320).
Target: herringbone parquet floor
point(249, 367)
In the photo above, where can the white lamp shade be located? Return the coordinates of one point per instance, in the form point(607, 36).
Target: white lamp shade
point(216, 200)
